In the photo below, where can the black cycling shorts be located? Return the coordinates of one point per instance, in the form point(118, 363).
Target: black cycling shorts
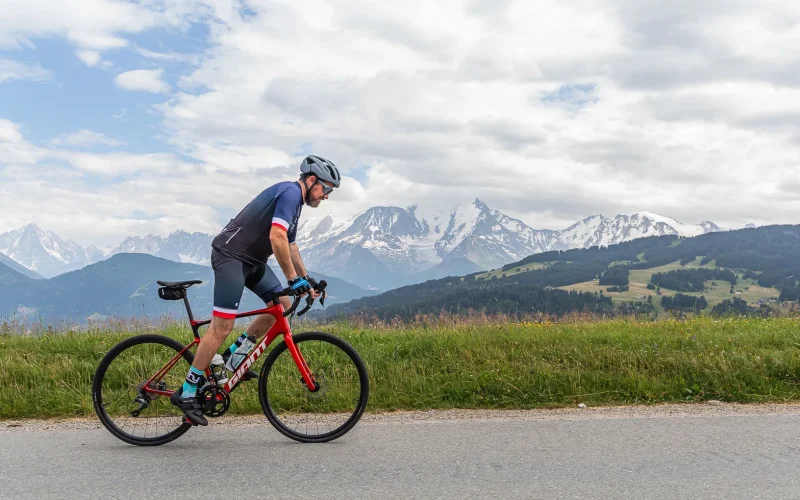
point(232, 275)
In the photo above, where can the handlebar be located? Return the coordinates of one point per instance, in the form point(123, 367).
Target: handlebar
point(319, 287)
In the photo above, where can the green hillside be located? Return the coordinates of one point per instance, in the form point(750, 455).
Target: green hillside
point(766, 263)
point(746, 289)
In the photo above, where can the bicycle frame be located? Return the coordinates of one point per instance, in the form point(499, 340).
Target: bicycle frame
point(281, 326)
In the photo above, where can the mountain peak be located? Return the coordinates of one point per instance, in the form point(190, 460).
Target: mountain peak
point(480, 205)
point(30, 226)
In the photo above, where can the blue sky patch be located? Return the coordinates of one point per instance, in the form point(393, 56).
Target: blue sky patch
point(572, 94)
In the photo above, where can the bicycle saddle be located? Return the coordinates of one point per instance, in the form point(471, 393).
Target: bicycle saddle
point(178, 284)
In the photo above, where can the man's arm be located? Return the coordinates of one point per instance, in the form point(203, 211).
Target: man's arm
point(297, 262)
point(280, 247)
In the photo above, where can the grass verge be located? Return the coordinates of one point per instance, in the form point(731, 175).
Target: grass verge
point(474, 365)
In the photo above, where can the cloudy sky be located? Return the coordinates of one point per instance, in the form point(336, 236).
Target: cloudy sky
point(120, 118)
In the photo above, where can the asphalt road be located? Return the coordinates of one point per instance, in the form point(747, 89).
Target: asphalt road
point(719, 456)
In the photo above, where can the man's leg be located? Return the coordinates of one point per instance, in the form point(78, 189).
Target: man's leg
point(263, 322)
point(229, 279)
point(263, 283)
point(215, 335)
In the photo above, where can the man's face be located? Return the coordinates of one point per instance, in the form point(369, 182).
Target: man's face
point(317, 193)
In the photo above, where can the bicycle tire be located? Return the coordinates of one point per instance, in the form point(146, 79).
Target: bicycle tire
point(98, 393)
point(308, 338)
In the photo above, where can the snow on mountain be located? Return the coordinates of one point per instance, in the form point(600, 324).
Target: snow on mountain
point(382, 247)
point(43, 251)
point(385, 246)
point(180, 246)
point(598, 230)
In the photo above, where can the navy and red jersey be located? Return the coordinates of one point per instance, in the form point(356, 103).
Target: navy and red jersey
point(246, 237)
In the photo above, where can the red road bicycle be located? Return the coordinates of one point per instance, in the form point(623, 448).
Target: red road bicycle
point(313, 386)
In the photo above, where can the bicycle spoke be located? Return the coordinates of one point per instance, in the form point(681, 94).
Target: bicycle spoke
point(122, 381)
point(322, 414)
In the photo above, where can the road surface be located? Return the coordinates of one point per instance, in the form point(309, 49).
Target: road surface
point(675, 451)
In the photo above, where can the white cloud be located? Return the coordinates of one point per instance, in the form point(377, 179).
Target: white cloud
point(584, 104)
point(89, 57)
point(84, 138)
point(549, 111)
point(14, 70)
point(168, 56)
point(148, 80)
point(90, 24)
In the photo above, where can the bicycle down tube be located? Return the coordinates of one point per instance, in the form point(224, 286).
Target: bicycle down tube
point(281, 326)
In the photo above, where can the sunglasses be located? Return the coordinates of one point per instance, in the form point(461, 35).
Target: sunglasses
point(325, 188)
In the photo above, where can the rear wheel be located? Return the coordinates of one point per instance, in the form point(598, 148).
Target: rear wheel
point(120, 401)
point(333, 408)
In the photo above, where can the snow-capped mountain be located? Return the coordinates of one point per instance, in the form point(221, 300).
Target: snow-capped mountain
point(388, 246)
point(604, 231)
point(180, 246)
point(382, 247)
point(44, 252)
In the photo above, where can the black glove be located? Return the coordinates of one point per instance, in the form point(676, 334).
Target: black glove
point(311, 281)
point(299, 285)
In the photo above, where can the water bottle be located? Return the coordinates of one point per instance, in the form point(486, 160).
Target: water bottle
point(218, 369)
point(240, 353)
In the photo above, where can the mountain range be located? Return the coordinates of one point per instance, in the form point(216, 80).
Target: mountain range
point(764, 264)
point(125, 285)
point(380, 248)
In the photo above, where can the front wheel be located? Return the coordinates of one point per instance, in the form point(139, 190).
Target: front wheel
point(333, 408)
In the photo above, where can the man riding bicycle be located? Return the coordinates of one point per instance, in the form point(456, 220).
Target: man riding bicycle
point(266, 226)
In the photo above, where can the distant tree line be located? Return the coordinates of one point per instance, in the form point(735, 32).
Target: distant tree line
point(617, 275)
point(683, 302)
point(691, 280)
point(739, 307)
point(488, 297)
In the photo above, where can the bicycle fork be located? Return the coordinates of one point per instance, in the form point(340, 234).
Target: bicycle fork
point(305, 373)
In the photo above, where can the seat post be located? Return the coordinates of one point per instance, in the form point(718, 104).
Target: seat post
point(188, 307)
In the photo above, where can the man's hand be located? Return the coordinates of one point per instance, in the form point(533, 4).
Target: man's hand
point(300, 286)
point(313, 283)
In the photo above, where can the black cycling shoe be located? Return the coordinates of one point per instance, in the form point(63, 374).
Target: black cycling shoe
point(248, 375)
point(190, 407)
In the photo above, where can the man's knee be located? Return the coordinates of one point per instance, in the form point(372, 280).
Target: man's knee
point(221, 326)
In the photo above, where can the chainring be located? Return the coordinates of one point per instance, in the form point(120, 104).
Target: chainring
point(215, 401)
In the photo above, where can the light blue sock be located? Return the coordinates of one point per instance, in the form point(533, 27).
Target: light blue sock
point(193, 379)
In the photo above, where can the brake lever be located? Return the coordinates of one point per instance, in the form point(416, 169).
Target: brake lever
point(309, 302)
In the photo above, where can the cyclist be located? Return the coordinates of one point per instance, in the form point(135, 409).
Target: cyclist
point(266, 226)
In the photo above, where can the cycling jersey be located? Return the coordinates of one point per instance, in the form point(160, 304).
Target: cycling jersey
point(246, 237)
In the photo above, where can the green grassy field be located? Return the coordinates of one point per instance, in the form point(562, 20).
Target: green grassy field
point(477, 364)
point(639, 278)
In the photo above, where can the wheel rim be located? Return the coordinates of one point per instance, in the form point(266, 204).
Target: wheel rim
point(122, 384)
point(324, 412)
